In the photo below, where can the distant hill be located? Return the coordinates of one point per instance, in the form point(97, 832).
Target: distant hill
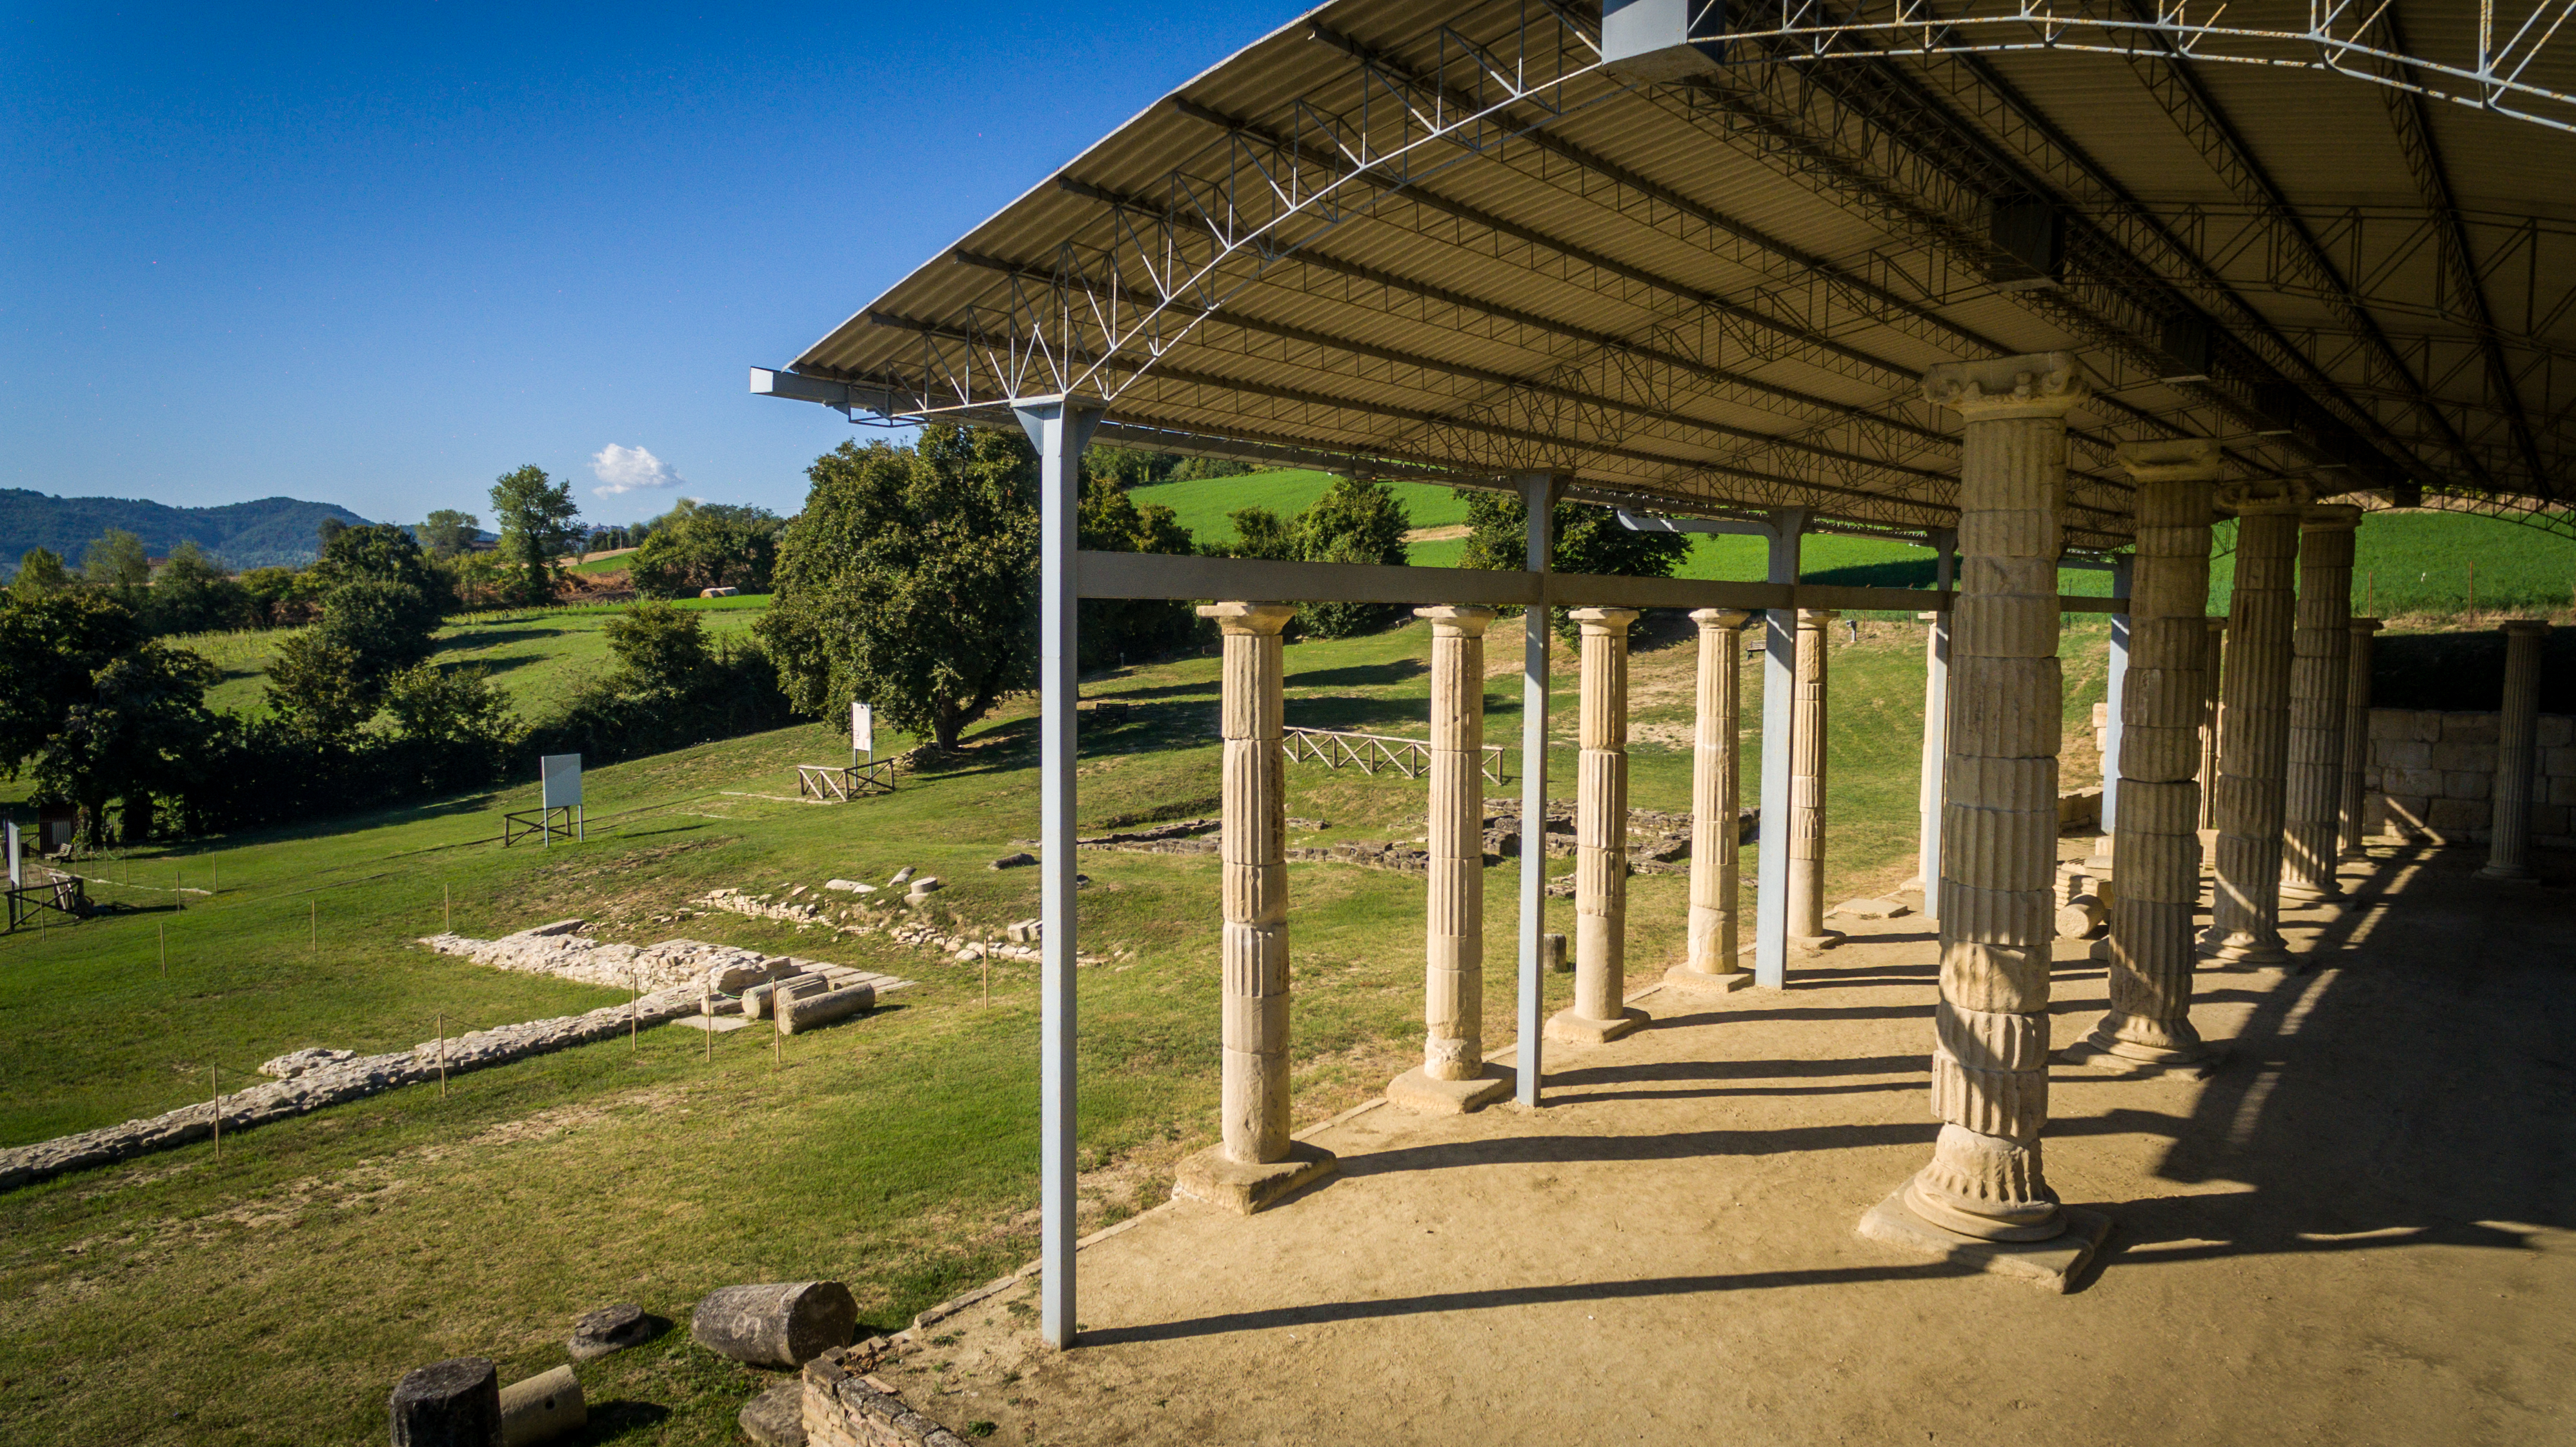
point(271, 531)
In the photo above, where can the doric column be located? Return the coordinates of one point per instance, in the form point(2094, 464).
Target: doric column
point(2211, 663)
point(1454, 1076)
point(1601, 837)
point(1999, 836)
point(1716, 807)
point(2517, 751)
point(2155, 846)
point(2320, 648)
point(1807, 788)
point(2356, 736)
point(1256, 1162)
point(2254, 708)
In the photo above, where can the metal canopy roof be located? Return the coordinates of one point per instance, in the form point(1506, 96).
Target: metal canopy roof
point(1443, 239)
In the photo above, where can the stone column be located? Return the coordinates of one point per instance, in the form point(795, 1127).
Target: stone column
point(1999, 836)
point(1807, 788)
point(1454, 1076)
point(2356, 738)
point(2155, 844)
point(2254, 703)
point(1255, 1163)
point(1601, 837)
point(2517, 751)
point(2210, 669)
point(1716, 807)
point(2321, 648)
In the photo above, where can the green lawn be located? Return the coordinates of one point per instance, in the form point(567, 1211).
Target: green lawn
point(275, 1295)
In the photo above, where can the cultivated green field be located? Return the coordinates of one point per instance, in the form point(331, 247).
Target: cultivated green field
point(275, 1294)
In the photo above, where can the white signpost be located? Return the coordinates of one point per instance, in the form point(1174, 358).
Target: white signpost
point(17, 870)
point(863, 732)
point(559, 778)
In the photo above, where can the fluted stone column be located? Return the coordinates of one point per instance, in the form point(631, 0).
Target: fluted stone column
point(1716, 808)
point(1255, 1163)
point(1601, 837)
point(2517, 752)
point(1807, 787)
point(2155, 844)
point(1454, 1076)
point(2211, 668)
point(2356, 737)
point(1999, 838)
point(2321, 647)
point(2254, 709)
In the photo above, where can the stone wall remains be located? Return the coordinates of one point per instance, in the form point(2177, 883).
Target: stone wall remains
point(2431, 778)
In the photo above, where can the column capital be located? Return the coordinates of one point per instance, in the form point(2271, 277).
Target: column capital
point(1456, 620)
point(2170, 459)
point(1728, 619)
point(1603, 620)
point(1817, 617)
point(1254, 619)
point(2265, 494)
point(2040, 384)
point(2329, 517)
point(2524, 628)
point(2367, 625)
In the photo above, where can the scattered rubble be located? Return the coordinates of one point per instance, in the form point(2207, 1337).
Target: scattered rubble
point(299, 1062)
point(595, 1334)
point(1013, 861)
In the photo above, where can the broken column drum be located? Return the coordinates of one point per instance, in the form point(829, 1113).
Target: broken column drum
point(2356, 737)
point(1807, 787)
point(1601, 836)
point(2155, 845)
point(2254, 706)
point(1716, 807)
point(2517, 751)
point(2321, 647)
point(1999, 828)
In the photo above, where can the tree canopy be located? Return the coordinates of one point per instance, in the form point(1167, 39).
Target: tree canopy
point(699, 545)
point(1589, 539)
point(537, 517)
point(910, 581)
point(447, 532)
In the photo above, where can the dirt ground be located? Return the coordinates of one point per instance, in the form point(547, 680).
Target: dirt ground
point(2361, 1229)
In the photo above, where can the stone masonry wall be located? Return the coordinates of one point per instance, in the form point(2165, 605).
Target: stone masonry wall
point(2431, 778)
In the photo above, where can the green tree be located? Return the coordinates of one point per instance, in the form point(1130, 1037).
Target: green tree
point(707, 545)
point(118, 563)
point(447, 532)
point(40, 572)
point(910, 581)
point(1113, 630)
point(282, 597)
point(134, 735)
point(318, 689)
point(1260, 533)
point(658, 648)
point(455, 727)
point(380, 552)
point(1589, 539)
point(1357, 520)
point(193, 594)
point(383, 625)
point(52, 646)
point(536, 514)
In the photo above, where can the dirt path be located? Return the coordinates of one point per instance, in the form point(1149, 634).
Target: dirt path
point(2361, 1230)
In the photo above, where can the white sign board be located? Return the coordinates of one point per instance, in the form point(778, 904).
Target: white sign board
point(863, 727)
point(562, 776)
point(17, 876)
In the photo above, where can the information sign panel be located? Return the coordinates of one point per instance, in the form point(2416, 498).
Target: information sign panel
point(561, 774)
point(863, 727)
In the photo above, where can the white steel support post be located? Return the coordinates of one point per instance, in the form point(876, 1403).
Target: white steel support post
point(1060, 427)
point(2123, 569)
point(1936, 727)
point(1538, 496)
point(1779, 714)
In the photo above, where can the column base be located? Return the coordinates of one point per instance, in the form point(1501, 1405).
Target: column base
point(2243, 951)
point(2303, 892)
point(2509, 874)
point(1816, 944)
point(1683, 977)
point(1245, 1187)
point(2054, 1263)
point(1572, 1029)
point(2128, 1060)
point(1416, 1092)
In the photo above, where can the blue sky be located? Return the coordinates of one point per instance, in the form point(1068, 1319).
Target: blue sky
point(378, 255)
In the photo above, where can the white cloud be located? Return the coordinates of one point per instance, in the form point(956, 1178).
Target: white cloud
point(629, 469)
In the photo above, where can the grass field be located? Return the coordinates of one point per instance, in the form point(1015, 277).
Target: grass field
point(274, 1295)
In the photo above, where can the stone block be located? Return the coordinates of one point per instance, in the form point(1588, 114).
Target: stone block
point(2558, 763)
point(2054, 1264)
point(776, 1418)
point(2422, 723)
point(2468, 728)
point(2389, 723)
point(1246, 1187)
point(798, 1015)
point(2424, 783)
point(614, 1328)
point(2402, 754)
point(448, 1404)
point(2557, 730)
point(781, 1324)
point(2448, 815)
point(2559, 790)
point(1567, 1027)
point(2469, 784)
point(2452, 757)
point(543, 1407)
point(844, 1409)
point(2404, 815)
point(1416, 1092)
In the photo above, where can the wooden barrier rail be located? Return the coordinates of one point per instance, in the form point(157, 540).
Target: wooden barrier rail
point(1370, 752)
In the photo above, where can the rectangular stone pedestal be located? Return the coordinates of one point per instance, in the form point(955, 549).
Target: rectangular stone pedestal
point(712, 1024)
point(1573, 1029)
point(1683, 977)
point(2083, 1056)
point(2054, 1263)
point(1416, 1092)
point(1244, 1189)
